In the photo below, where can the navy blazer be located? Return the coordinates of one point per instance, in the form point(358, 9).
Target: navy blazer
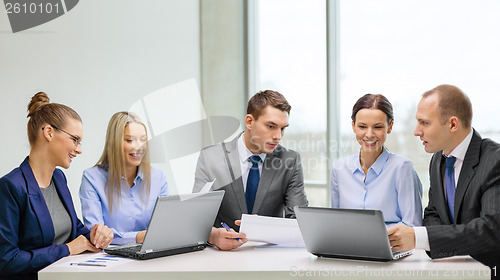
point(26, 228)
point(476, 231)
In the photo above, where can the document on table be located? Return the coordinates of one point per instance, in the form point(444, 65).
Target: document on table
point(93, 261)
point(280, 231)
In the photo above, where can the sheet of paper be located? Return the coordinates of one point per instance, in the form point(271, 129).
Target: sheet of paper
point(207, 186)
point(279, 231)
point(93, 261)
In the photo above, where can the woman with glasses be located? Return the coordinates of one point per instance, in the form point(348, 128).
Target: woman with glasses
point(121, 189)
point(374, 178)
point(38, 223)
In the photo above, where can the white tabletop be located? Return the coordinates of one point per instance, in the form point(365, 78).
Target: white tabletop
point(251, 262)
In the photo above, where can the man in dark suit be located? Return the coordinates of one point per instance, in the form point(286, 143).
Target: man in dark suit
point(463, 215)
point(259, 176)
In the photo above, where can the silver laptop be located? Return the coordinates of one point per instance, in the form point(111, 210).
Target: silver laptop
point(179, 224)
point(346, 233)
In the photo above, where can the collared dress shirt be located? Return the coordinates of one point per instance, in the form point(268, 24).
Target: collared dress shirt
point(245, 163)
point(131, 214)
point(421, 237)
point(391, 185)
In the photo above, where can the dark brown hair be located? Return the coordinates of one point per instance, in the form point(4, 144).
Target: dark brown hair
point(452, 102)
point(260, 100)
point(373, 101)
point(41, 112)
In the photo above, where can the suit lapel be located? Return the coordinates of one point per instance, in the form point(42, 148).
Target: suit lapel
point(237, 184)
point(38, 204)
point(266, 178)
point(467, 172)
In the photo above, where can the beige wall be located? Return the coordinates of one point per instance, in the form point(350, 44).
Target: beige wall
point(99, 58)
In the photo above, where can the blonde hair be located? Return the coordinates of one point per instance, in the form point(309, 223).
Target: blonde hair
point(41, 112)
point(113, 158)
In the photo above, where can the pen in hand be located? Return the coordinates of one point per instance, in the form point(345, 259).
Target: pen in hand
point(229, 229)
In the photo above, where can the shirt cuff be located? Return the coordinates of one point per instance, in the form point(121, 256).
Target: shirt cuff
point(421, 238)
point(125, 238)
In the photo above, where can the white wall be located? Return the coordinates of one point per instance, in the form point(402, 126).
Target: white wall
point(99, 58)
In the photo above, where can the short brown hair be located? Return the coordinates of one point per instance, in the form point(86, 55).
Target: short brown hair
point(260, 100)
point(373, 101)
point(452, 102)
point(41, 112)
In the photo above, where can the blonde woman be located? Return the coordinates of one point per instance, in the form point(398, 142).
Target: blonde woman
point(121, 189)
point(38, 223)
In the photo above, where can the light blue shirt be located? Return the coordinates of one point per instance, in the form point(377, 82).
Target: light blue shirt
point(391, 185)
point(131, 214)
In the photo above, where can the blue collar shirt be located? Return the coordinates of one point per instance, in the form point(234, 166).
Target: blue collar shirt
point(391, 185)
point(131, 214)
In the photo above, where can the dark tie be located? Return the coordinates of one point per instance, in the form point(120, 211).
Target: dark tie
point(449, 175)
point(252, 182)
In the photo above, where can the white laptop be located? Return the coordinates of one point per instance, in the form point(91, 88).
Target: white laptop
point(346, 233)
point(179, 224)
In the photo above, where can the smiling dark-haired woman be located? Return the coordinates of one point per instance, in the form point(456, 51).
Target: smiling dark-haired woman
point(38, 223)
point(374, 178)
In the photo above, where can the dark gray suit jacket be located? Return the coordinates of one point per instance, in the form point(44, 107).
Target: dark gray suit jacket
point(281, 185)
point(476, 231)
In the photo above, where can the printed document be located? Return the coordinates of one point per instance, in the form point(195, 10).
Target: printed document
point(280, 231)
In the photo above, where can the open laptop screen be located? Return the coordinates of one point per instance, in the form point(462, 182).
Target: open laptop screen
point(344, 233)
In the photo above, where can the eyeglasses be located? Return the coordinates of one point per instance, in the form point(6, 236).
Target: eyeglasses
point(76, 140)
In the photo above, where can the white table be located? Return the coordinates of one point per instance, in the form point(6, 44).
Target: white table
point(250, 262)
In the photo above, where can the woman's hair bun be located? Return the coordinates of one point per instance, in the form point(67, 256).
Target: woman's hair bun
point(37, 102)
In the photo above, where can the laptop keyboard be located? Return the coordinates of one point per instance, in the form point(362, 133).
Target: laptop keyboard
point(131, 249)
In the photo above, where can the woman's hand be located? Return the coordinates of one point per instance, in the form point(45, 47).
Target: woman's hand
point(80, 245)
point(101, 236)
point(139, 238)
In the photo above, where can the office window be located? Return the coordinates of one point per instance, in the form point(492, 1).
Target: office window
point(291, 58)
point(396, 48)
point(403, 48)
